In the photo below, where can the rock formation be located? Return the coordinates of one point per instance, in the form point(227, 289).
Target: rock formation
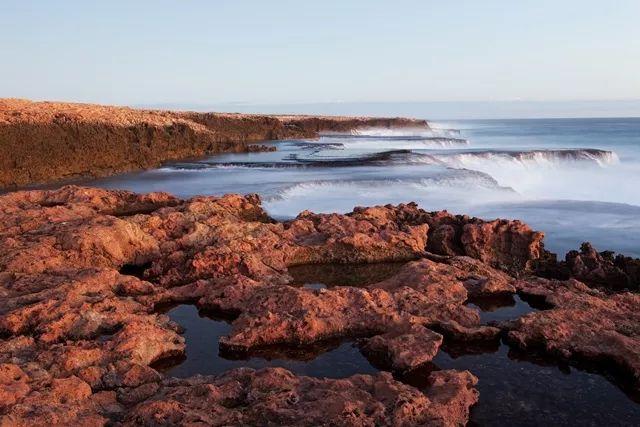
point(84, 274)
point(46, 141)
point(600, 269)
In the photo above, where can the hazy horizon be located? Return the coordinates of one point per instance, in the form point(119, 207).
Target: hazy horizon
point(435, 110)
point(463, 60)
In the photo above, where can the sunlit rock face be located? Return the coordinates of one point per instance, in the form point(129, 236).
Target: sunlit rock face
point(86, 276)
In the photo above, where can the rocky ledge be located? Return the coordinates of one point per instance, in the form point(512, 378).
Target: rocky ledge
point(84, 274)
point(42, 142)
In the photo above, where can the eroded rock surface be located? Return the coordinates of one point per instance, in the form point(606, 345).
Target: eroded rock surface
point(85, 272)
point(584, 323)
point(601, 269)
point(248, 397)
point(83, 140)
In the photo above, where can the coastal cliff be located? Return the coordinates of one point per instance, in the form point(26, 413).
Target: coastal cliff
point(42, 142)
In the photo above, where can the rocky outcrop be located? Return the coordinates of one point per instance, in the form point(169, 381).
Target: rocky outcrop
point(584, 324)
point(406, 347)
point(85, 273)
point(42, 142)
point(601, 269)
point(275, 396)
point(508, 245)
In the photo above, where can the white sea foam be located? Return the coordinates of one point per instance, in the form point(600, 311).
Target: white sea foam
point(529, 159)
point(393, 143)
point(445, 192)
point(540, 161)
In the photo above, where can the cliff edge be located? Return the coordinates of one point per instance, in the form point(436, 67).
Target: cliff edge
point(42, 142)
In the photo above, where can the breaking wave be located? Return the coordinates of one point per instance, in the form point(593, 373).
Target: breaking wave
point(394, 142)
point(528, 159)
point(446, 191)
point(485, 161)
point(405, 132)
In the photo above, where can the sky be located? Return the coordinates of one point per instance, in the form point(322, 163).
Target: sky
point(210, 53)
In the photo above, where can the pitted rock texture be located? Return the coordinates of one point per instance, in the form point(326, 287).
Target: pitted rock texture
point(84, 273)
point(601, 269)
point(275, 396)
point(584, 324)
point(406, 347)
point(46, 141)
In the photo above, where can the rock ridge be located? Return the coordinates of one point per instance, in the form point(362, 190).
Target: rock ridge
point(42, 142)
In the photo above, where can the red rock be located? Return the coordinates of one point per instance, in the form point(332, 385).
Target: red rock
point(503, 244)
point(275, 396)
point(13, 385)
point(85, 271)
point(406, 347)
point(285, 315)
point(96, 140)
point(584, 324)
point(602, 269)
point(76, 323)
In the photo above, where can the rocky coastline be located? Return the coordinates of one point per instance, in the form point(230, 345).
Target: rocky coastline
point(85, 272)
point(88, 277)
point(43, 142)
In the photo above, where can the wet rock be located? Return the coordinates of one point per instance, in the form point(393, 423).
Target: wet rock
point(584, 324)
point(276, 396)
point(603, 268)
point(422, 292)
point(80, 335)
point(406, 347)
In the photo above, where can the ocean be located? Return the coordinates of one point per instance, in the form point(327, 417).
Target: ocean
point(574, 179)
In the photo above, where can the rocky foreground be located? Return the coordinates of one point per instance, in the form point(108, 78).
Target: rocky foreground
point(84, 273)
point(42, 142)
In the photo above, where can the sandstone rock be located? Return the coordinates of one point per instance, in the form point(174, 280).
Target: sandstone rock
point(96, 140)
point(503, 244)
point(603, 269)
point(406, 347)
point(275, 396)
point(85, 273)
point(585, 324)
point(80, 318)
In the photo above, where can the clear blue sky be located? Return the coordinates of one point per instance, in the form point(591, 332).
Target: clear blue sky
point(213, 52)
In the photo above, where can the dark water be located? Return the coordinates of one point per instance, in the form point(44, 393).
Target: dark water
point(202, 333)
point(521, 391)
point(317, 276)
point(505, 307)
point(515, 389)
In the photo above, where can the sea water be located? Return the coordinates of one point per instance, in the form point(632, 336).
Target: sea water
point(575, 179)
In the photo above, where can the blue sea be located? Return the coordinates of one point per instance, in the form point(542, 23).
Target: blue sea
point(574, 179)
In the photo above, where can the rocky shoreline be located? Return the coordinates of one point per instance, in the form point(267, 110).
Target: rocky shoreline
point(84, 274)
point(42, 142)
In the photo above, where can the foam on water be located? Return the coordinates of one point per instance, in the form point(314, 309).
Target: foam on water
point(394, 142)
point(526, 169)
point(431, 193)
point(576, 180)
